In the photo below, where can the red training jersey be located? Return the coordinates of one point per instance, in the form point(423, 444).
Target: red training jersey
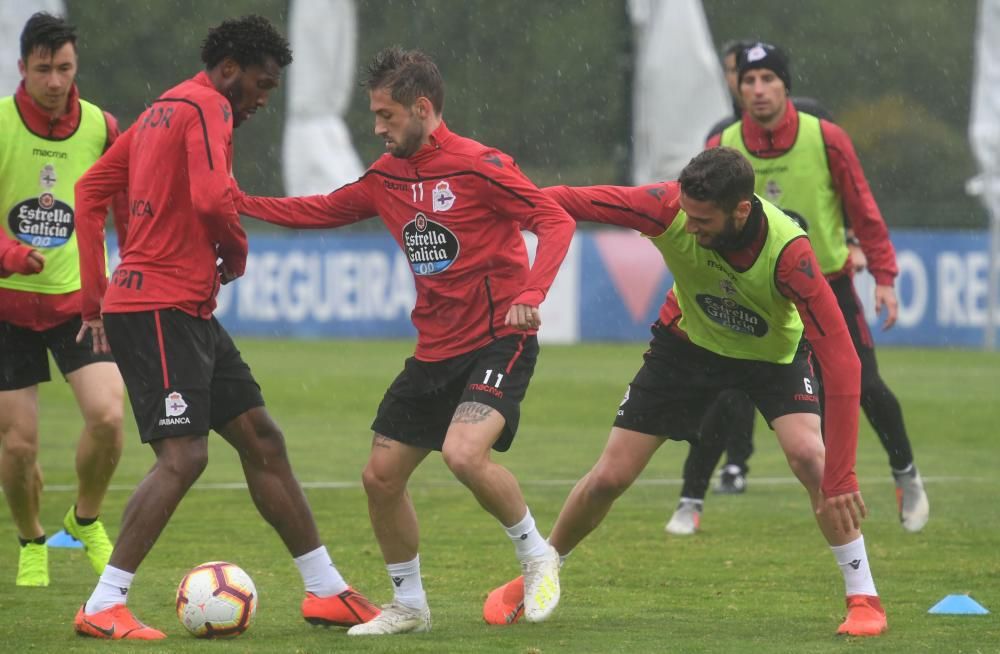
point(651, 209)
point(456, 208)
point(848, 178)
point(41, 311)
point(176, 161)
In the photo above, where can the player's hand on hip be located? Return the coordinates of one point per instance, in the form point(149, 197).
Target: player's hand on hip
point(845, 511)
point(885, 296)
point(97, 333)
point(522, 316)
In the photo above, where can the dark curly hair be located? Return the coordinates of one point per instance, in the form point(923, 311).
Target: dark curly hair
point(45, 31)
point(247, 40)
point(719, 175)
point(408, 75)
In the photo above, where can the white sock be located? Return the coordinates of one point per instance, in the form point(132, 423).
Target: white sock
point(528, 543)
point(319, 575)
point(853, 561)
point(407, 587)
point(112, 588)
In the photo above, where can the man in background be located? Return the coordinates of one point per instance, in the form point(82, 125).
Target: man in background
point(808, 165)
point(50, 137)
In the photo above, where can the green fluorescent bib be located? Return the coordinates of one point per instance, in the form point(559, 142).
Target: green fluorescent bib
point(800, 181)
point(735, 314)
point(37, 176)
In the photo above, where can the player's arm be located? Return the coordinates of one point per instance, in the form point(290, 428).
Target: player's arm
point(18, 258)
point(119, 203)
point(798, 277)
point(512, 194)
point(349, 204)
point(864, 216)
point(206, 137)
point(94, 192)
point(647, 209)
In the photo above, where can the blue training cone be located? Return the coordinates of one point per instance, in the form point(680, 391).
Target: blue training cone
point(63, 539)
point(958, 605)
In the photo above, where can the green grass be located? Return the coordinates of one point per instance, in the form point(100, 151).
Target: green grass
point(758, 578)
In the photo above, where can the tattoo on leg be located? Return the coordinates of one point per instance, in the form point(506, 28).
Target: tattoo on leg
point(378, 440)
point(471, 413)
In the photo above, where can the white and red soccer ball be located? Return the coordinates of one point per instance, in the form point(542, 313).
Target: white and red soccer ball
point(216, 600)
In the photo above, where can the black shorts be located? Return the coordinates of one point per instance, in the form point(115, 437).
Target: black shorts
point(679, 381)
point(184, 375)
point(419, 405)
point(24, 359)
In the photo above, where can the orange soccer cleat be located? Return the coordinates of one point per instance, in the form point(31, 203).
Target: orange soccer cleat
point(345, 609)
point(865, 616)
point(505, 605)
point(115, 623)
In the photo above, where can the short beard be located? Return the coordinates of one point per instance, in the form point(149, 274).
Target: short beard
point(410, 145)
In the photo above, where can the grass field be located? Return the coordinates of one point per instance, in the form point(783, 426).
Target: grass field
point(758, 578)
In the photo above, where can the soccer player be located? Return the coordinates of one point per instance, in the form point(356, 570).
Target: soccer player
point(808, 165)
point(457, 209)
point(729, 423)
point(50, 137)
point(183, 373)
point(747, 287)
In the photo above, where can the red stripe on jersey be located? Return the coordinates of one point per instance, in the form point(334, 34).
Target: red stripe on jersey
point(163, 354)
point(517, 353)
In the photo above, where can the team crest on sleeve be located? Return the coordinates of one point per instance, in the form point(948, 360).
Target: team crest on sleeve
point(430, 246)
point(442, 196)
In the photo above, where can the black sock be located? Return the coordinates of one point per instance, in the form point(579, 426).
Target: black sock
point(83, 522)
point(37, 541)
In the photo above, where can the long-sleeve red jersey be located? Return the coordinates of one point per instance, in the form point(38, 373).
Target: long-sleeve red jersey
point(651, 209)
point(849, 181)
point(176, 162)
point(41, 311)
point(456, 208)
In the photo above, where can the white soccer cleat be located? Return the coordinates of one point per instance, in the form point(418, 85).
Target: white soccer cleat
point(541, 585)
point(395, 619)
point(687, 518)
point(914, 509)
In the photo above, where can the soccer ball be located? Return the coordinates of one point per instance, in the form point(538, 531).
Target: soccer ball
point(216, 600)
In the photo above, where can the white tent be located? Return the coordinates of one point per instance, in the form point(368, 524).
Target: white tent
point(679, 91)
point(317, 154)
point(984, 135)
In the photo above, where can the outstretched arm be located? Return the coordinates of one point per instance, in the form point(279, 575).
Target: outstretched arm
point(647, 209)
point(350, 203)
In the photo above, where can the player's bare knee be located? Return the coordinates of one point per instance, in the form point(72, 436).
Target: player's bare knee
point(379, 484)
point(463, 461)
point(106, 427)
point(806, 460)
point(605, 482)
point(20, 445)
point(184, 464)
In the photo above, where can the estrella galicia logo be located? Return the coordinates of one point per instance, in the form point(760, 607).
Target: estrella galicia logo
point(732, 315)
point(430, 246)
point(42, 222)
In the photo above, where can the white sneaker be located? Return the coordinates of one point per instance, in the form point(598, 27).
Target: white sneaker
point(541, 585)
point(914, 509)
point(395, 619)
point(687, 518)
